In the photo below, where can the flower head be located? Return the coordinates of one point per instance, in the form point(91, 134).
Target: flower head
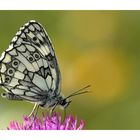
point(47, 122)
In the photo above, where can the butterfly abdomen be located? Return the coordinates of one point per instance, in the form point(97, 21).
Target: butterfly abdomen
point(11, 96)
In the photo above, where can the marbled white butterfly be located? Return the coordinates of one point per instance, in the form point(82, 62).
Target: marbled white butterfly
point(29, 70)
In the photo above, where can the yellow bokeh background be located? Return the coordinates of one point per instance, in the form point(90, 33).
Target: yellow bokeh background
point(100, 48)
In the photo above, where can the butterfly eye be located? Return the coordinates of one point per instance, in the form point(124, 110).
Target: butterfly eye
point(15, 63)
point(36, 56)
point(10, 71)
point(7, 79)
point(30, 58)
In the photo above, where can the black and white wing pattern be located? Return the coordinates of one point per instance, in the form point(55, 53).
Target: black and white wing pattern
point(28, 68)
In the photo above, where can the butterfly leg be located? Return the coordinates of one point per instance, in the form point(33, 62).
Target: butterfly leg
point(36, 110)
point(11, 96)
point(53, 108)
point(36, 106)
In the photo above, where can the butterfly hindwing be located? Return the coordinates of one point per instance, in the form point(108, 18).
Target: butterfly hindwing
point(29, 67)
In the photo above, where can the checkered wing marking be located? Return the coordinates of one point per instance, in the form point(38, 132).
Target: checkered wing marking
point(29, 67)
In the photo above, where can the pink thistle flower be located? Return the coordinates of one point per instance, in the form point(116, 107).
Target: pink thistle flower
point(47, 122)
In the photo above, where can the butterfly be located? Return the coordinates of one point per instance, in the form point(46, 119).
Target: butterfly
point(29, 69)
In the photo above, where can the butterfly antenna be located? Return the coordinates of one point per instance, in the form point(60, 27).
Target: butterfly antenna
point(79, 92)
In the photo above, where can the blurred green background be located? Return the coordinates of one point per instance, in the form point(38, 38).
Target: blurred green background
point(101, 48)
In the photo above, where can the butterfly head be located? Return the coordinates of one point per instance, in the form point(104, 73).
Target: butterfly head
point(64, 102)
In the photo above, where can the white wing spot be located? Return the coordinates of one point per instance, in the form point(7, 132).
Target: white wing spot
point(10, 47)
point(31, 28)
point(13, 52)
point(7, 58)
point(26, 24)
point(31, 35)
point(40, 82)
point(49, 81)
point(30, 48)
point(19, 75)
point(21, 67)
point(32, 21)
point(22, 28)
point(37, 27)
point(3, 68)
point(2, 55)
point(53, 84)
point(18, 33)
point(53, 71)
point(21, 48)
point(23, 35)
point(13, 82)
point(14, 39)
point(18, 91)
point(29, 93)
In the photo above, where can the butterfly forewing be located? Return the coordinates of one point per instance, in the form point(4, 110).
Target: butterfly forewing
point(28, 68)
